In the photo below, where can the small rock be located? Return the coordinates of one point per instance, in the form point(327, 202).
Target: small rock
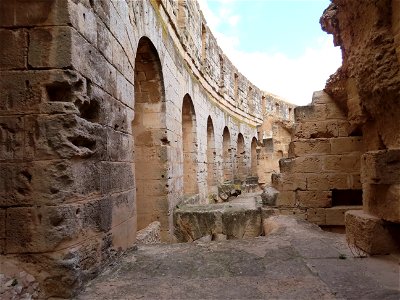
point(18, 288)
point(30, 278)
point(22, 274)
point(269, 196)
point(10, 283)
point(26, 296)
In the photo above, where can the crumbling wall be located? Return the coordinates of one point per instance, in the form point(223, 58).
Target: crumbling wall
point(75, 84)
point(367, 86)
point(320, 180)
point(275, 134)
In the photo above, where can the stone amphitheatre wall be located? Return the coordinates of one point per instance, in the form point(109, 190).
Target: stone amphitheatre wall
point(346, 145)
point(111, 113)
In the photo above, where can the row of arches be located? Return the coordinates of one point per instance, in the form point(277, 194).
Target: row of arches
point(152, 148)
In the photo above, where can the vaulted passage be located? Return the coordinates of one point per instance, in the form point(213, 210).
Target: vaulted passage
point(211, 154)
point(240, 159)
point(149, 134)
point(189, 146)
point(226, 155)
point(254, 157)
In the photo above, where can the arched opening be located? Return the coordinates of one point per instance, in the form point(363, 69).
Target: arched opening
point(211, 153)
point(189, 146)
point(254, 157)
point(148, 130)
point(240, 159)
point(226, 157)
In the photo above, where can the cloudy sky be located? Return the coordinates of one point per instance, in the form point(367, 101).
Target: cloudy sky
point(276, 44)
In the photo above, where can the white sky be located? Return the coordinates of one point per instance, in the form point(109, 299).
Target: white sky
point(292, 71)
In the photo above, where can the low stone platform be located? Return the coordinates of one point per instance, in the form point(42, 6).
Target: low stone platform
point(297, 260)
point(239, 218)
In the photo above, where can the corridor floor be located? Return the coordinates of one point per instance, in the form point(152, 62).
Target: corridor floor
point(297, 261)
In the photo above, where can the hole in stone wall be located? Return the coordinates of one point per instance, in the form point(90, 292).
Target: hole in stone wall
point(81, 141)
point(59, 92)
point(346, 197)
point(89, 110)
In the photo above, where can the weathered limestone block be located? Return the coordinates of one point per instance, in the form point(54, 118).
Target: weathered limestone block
point(381, 167)
point(310, 113)
point(326, 182)
point(14, 13)
point(303, 147)
point(288, 181)
point(150, 234)
point(346, 144)
point(50, 47)
point(13, 49)
point(286, 199)
point(313, 199)
point(382, 200)
point(316, 216)
point(336, 215)
point(303, 164)
point(294, 212)
point(242, 224)
point(192, 225)
point(321, 129)
point(371, 234)
point(47, 182)
point(269, 196)
point(342, 163)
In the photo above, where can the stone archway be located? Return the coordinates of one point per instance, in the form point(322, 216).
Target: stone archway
point(254, 157)
point(189, 146)
point(148, 129)
point(211, 156)
point(226, 155)
point(240, 159)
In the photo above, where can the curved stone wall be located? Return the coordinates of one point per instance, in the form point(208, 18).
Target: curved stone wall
point(93, 121)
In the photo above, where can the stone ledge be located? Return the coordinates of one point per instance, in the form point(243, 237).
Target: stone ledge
point(370, 233)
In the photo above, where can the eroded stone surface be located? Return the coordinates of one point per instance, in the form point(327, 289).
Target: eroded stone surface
point(298, 260)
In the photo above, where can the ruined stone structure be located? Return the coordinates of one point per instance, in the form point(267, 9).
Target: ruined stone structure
point(111, 114)
point(346, 147)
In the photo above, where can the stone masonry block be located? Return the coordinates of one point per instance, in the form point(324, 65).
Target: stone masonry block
point(37, 91)
point(30, 13)
point(326, 182)
point(316, 216)
point(304, 164)
point(289, 181)
point(320, 97)
point(2, 223)
point(11, 138)
point(345, 163)
point(309, 147)
point(44, 229)
point(286, 199)
point(13, 49)
point(383, 201)
point(307, 199)
point(50, 47)
point(116, 177)
point(370, 233)
point(310, 113)
point(47, 182)
point(335, 215)
point(381, 167)
point(321, 129)
point(347, 144)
